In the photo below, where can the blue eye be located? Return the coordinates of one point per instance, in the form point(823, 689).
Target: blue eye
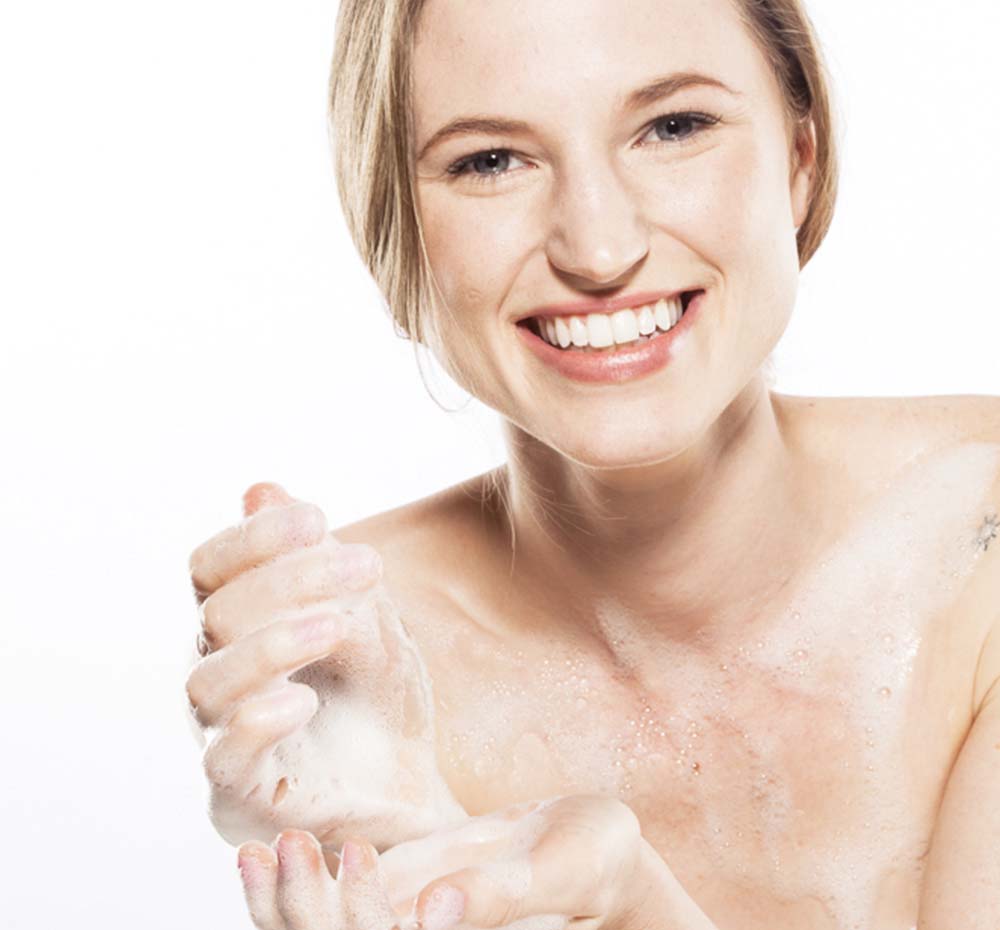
point(675, 120)
point(494, 161)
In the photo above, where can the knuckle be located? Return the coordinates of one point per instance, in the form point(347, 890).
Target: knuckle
point(210, 613)
point(304, 524)
point(195, 691)
point(199, 570)
point(214, 766)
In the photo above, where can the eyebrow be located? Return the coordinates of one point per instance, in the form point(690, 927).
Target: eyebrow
point(659, 89)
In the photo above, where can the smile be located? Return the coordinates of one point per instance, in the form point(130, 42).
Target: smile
point(620, 346)
point(598, 331)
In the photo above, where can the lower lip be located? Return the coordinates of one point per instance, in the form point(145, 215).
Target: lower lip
point(621, 363)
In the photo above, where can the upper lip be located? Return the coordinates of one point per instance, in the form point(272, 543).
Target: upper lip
point(604, 304)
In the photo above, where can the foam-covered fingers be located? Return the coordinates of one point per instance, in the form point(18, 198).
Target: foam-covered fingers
point(258, 660)
point(294, 580)
point(306, 896)
point(258, 867)
point(262, 536)
point(364, 897)
point(236, 757)
point(264, 494)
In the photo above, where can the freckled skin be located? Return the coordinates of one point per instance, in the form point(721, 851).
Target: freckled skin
point(742, 613)
point(768, 768)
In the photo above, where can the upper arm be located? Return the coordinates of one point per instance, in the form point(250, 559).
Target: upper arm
point(961, 886)
point(962, 883)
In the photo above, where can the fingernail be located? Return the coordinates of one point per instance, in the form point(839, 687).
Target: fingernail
point(351, 860)
point(444, 908)
point(320, 629)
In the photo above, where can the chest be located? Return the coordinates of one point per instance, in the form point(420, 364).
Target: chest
point(795, 773)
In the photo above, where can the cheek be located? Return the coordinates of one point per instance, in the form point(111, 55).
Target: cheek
point(473, 245)
point(720, 205)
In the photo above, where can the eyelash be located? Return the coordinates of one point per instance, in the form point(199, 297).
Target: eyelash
point(458, 168)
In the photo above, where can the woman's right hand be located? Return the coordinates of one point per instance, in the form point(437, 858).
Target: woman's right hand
point(316, 705)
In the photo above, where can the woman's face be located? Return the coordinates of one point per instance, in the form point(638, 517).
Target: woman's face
point(594, 197)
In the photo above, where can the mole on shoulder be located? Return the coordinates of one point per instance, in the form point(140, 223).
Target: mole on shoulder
point(987, 532)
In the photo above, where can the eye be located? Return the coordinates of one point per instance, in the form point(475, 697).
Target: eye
point(494, 163)
point(680, 127)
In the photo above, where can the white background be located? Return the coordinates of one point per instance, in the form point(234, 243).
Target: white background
point(183, 315)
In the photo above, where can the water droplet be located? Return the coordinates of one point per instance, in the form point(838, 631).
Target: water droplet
point(581, 703)
point(801, 654)
point(696, 768)
point(760, 644)
point(885, 692)
point(723, 666)
point(632, 763)
point(888, 639)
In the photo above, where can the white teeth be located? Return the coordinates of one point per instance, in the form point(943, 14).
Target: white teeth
point(600, 330)
point(664, 319)
point(625, 326)
point(647, 322)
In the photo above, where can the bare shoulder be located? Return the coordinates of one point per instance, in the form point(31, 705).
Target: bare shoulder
point(880, 435)
point(421, 540)
point(873, 439)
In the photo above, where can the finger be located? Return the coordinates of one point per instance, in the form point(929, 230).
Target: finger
point(235, 759)
point(258, 661)
point(258, 867)
point(262, 536)
point(264, 494)
point(364, 898)
point(294, 580)
point(307, 898)
point(569, 862)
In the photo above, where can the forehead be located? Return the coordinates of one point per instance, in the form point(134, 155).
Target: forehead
point(553, 55)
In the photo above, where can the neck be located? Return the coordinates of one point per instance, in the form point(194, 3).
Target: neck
point(682, 547)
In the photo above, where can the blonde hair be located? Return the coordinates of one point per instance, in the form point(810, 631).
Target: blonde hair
point(371, 128)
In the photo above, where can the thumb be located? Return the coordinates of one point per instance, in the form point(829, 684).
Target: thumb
point(496, 895)
point(265, 494)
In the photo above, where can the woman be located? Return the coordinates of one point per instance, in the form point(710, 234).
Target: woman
point(700, 654)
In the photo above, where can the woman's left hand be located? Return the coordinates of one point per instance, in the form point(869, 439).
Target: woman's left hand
point(577, 860)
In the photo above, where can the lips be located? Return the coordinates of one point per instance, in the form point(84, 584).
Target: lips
point(617, 363)
point(606, 305)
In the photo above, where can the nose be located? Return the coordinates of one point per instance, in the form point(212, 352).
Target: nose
point(596, 234)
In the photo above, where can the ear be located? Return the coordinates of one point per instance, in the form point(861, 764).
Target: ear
point(803, 170)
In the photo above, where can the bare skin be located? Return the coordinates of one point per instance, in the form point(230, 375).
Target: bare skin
point(750, 776)
point(760, 621)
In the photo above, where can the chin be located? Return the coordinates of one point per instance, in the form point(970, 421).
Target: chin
point(627, 442)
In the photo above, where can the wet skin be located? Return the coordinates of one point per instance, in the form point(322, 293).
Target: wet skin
point(788, 762)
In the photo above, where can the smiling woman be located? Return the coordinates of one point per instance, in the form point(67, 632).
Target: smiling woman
point(745, 639)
